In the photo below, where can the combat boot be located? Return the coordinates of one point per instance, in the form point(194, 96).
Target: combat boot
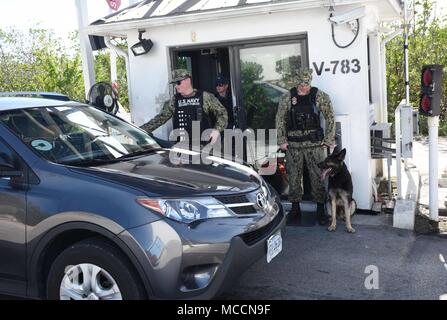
point(296, 210)
point(321, 215)
point(294, 216)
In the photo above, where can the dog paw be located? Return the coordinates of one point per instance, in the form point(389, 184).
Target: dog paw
point(331, 228)
point(351, 230)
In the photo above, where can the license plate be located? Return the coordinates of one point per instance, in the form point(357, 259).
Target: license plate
point(274, 245)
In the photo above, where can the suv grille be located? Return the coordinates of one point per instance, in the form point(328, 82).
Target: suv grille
point(232, 199)
point(246, 209)
point(250, 238)
point(243, 210)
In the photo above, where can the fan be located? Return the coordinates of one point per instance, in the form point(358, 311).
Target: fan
point(103, 96)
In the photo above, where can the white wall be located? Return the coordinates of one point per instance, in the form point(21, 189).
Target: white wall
point(376, 92)
point(349, 92)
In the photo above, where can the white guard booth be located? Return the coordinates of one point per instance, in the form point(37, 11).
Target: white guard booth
point(255, 43)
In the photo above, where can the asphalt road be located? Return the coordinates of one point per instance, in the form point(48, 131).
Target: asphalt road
point(317, 264)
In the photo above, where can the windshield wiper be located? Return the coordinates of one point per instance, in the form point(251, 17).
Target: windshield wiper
point(139, 153)
point(99, 161)
point(89, 162)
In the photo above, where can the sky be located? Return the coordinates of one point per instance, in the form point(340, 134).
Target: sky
point(60, 15)
point(441, 6)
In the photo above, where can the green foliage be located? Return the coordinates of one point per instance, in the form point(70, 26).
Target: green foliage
point(182, 63)
point(36, 60)
point(287, 67)
point(427, 45)
point(254, 95)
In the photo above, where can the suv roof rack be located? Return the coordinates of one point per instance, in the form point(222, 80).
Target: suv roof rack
point(42, 94)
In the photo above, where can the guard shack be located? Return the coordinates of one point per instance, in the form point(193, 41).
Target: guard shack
point(256, 44)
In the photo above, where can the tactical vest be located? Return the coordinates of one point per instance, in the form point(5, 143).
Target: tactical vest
point(189, 109)
point(303, 113)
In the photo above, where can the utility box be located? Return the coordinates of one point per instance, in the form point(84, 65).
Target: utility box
point(406, 128)
point(415, 122)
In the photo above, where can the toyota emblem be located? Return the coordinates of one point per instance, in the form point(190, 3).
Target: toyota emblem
point(261, 200)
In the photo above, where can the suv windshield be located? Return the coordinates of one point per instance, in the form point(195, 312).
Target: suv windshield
point(76, 134)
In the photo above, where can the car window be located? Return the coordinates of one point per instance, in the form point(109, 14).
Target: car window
point(73, 133)
point(8, 156)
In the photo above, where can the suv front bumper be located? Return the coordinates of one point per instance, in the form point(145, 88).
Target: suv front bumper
point(170, 253)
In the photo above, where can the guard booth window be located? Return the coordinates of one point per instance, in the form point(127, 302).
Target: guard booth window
point(265, 75)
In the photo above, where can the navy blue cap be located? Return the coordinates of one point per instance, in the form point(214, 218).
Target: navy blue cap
point(221, 80)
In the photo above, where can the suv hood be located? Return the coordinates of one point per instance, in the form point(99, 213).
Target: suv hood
point(155, 175)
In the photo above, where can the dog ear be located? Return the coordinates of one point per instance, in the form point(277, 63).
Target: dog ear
point(335, 151)
point(341, 156)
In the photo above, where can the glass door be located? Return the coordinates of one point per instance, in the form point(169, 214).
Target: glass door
point(264, 72)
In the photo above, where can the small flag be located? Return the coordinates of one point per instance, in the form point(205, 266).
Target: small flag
point(114, 4)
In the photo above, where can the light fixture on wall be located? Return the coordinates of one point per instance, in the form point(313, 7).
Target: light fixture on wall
point(142, 47)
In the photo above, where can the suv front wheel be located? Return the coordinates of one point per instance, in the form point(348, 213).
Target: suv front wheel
point(92, 270)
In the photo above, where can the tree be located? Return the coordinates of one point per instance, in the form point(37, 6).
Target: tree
point(254, 95)
point(38, 61)
point(287, 67)
point(427, 43)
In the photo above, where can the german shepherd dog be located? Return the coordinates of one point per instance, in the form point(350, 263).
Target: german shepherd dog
point(340, 189)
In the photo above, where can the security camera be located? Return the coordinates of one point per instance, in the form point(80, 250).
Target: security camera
point(348, 16)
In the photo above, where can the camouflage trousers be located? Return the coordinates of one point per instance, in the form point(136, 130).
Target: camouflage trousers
point(295, 160)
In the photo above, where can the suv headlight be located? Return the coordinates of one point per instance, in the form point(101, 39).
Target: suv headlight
point(186, 210)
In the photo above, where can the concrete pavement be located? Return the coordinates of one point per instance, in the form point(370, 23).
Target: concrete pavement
point(421, 161)
point(317, 264)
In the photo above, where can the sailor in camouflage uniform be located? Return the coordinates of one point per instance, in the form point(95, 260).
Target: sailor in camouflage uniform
point(189, 104)
point(300, 133)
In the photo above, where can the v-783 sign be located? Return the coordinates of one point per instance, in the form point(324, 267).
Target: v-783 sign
point(344, 66)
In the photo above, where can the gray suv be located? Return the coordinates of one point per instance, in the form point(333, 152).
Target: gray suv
point(91, 207)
